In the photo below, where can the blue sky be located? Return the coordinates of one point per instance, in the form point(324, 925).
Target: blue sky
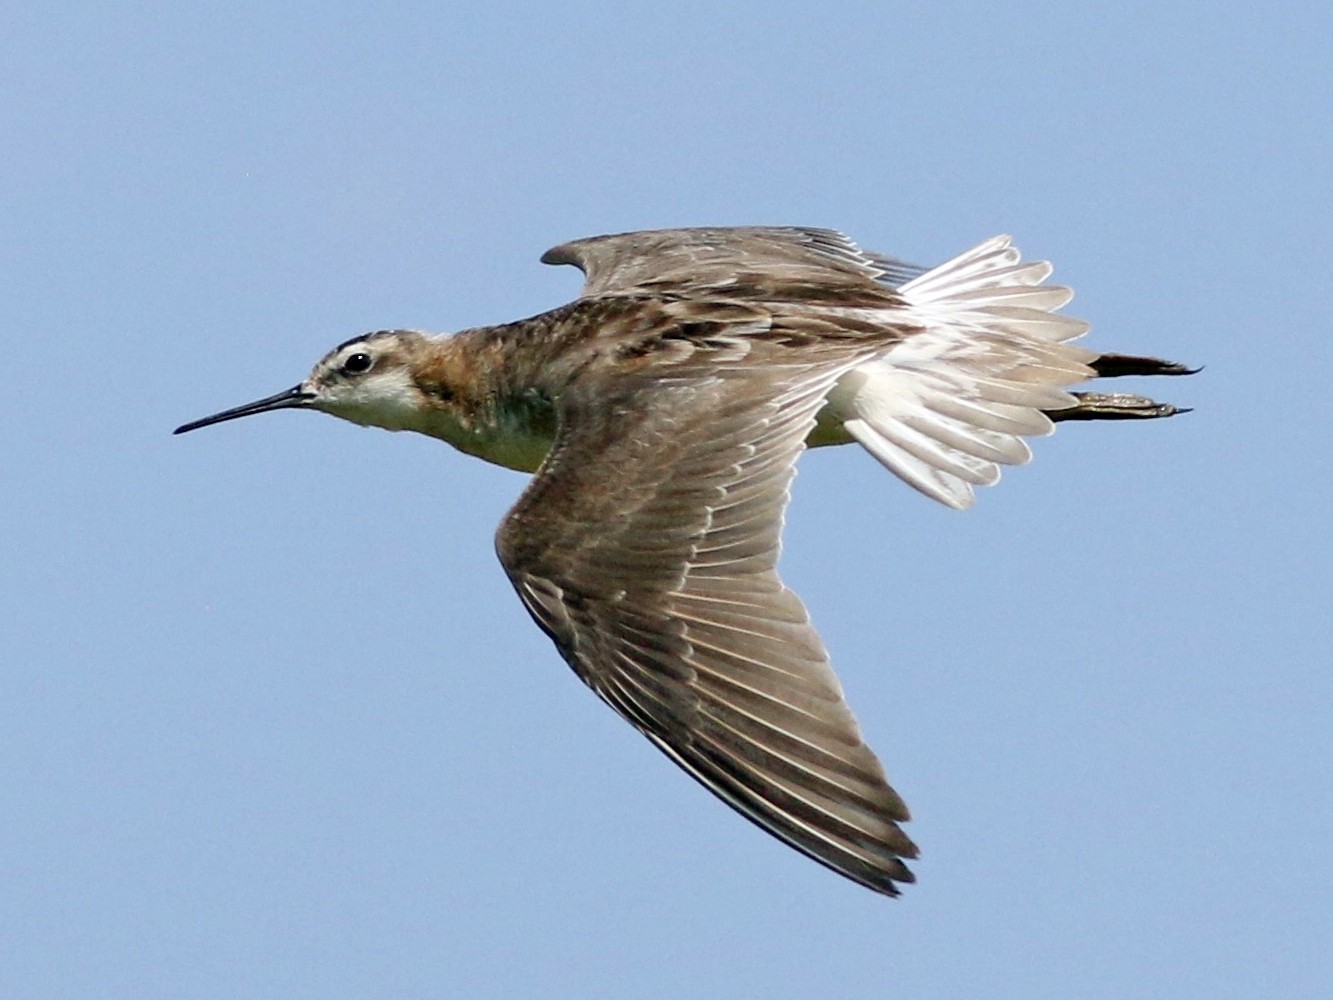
point(275, 725)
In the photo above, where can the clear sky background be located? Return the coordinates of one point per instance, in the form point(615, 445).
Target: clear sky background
point(274, 724)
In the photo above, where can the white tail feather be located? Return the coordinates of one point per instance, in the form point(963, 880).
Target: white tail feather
point(948, 405)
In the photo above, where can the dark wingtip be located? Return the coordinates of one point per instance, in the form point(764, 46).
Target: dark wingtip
point(562, 254)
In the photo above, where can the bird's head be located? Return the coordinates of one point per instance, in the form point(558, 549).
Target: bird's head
point(374, 379)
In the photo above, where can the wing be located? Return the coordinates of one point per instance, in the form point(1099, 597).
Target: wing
point(703, 260)
point(646, 548)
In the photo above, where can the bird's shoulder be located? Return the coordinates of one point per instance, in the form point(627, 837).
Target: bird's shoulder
point(640, 336)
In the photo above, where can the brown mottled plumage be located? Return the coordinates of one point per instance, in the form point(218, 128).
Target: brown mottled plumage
point(664, 411)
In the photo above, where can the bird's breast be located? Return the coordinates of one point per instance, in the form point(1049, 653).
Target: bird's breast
point(516, 436)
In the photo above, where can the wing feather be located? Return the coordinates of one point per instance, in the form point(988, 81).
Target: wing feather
point(646, 548)
point(681, 260)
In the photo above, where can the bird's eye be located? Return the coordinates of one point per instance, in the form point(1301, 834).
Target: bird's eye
point(357, 364)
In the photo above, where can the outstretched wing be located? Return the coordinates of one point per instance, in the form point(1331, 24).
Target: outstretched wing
point(682, 261)
point(646, 548)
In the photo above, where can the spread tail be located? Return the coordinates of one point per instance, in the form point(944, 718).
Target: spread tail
point(947, 406)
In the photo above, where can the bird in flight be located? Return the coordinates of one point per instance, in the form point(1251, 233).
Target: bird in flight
point(663, 412)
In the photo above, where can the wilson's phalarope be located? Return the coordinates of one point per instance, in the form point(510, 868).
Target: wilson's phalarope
point(664, 411)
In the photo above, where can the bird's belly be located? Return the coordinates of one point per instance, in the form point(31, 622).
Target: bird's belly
point(828, 427)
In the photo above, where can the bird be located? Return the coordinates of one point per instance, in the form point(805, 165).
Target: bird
point(662, 413)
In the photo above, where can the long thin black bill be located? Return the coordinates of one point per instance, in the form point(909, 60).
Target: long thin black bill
point(293, 397)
